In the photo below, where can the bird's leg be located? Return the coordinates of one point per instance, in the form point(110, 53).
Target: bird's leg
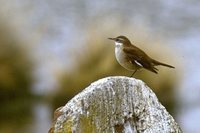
point(134, 72)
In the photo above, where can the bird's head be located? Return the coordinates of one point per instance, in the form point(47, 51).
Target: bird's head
point(121, 40)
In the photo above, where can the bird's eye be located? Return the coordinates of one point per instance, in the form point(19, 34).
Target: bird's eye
point(117, 40)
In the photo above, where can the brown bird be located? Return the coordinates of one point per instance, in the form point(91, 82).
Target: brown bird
point(132, 58)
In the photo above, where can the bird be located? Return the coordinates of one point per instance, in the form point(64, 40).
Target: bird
point(133, 58)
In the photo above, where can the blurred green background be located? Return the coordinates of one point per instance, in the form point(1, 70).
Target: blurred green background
point(51, 50)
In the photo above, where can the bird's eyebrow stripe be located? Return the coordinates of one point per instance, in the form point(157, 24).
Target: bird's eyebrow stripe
point(121, 39)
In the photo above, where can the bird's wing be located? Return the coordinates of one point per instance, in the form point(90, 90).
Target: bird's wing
point(137, 56)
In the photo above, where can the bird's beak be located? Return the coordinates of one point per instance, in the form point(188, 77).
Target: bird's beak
point(112, 38)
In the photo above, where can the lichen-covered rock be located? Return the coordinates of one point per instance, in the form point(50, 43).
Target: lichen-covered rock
point(114, 105)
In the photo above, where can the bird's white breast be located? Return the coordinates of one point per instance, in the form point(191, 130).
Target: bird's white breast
point(121, 57)
point(119, 54)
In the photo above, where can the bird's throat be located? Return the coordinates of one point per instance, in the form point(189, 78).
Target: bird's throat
point(117, 44)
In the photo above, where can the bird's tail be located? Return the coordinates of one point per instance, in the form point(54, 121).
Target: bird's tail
point(160, 63)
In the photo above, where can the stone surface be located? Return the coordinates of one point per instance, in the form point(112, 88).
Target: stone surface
point(114, 105)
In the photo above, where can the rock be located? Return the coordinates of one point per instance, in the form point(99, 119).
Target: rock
point(114, 105)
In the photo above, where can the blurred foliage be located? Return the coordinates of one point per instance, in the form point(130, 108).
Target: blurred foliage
point(98, 61)
point(15, 79)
